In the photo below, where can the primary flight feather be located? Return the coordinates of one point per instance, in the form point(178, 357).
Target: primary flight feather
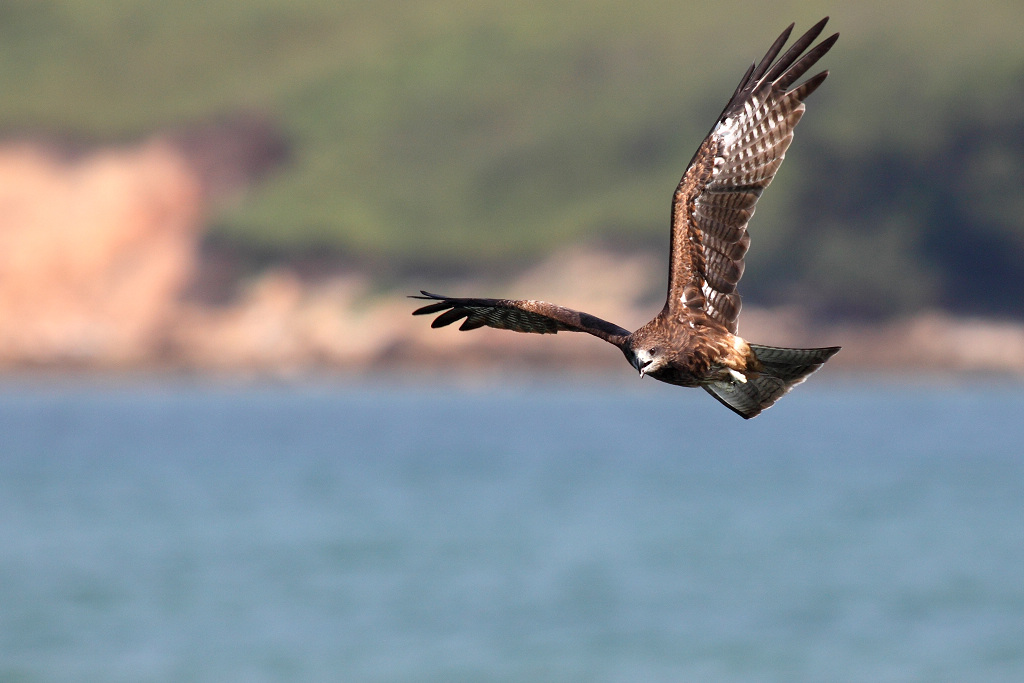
point(692, 342)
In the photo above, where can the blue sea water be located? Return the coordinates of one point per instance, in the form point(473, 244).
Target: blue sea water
point(541, 532)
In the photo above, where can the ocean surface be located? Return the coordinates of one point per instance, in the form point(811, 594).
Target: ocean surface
point(560, 531)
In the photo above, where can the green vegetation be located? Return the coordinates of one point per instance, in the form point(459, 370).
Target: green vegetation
point(464, 132)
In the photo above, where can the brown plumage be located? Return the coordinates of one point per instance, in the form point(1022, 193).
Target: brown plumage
point(692, 342)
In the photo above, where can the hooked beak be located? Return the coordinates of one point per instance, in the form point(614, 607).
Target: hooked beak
point(642, 367)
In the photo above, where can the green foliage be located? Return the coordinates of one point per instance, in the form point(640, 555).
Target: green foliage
point(469, 132)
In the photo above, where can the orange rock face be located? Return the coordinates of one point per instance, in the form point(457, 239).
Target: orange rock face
point(97, 250)
point(94, 252)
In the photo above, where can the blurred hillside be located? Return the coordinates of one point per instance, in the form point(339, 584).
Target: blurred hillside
point(432, 141)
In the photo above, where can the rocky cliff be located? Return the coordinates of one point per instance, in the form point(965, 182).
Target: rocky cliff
point(94, 251)
point(99, 249)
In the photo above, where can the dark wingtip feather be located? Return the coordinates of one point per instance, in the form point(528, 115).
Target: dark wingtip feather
point(814, 31)
point(426, 295)
point(442, 303)
point(449, 317)
point(786, 69)
point(744, 80)
point(769, 56)
point(786, 61)
point(806, 62)
point(810, 85)
point(431, 308)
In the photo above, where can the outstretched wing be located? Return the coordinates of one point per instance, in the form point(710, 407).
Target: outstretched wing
point(737, 160)
point(538, 317)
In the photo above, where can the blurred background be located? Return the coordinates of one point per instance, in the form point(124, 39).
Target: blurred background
point(228, 452)
point(258, 184)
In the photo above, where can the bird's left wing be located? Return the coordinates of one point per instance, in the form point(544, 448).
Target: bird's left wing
point(538, 317)
point(716, 197)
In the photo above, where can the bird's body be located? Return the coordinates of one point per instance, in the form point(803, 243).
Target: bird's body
point(693, 341)
point(690, 356)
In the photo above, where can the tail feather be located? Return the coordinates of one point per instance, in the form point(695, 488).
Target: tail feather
point(783, 370)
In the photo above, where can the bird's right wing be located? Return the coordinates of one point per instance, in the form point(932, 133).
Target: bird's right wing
point(537, 317)
point(718, 193)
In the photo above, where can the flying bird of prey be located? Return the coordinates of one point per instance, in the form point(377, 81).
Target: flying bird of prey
point(693, 342)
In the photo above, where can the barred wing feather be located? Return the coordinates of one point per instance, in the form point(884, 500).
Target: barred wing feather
point(537, 317)
point(739, 158)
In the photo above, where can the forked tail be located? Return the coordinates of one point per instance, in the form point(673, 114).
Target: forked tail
point(783, 370)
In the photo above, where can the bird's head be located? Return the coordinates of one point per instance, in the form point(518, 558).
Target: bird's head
point(647, 358)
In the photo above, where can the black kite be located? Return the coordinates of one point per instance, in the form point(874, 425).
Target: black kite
point(693, 342)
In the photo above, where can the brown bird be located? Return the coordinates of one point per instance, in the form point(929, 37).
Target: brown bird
point(692, 342)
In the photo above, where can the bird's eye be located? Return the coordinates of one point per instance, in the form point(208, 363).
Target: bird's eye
point(652, 351)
